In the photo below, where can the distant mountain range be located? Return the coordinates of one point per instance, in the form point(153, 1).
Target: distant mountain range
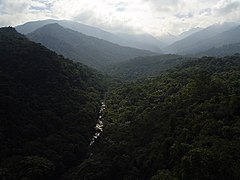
point(140, 41)
point(189, 32)
point(195, 41)
point(169, 39)
point(89, 50)
point(213, 36)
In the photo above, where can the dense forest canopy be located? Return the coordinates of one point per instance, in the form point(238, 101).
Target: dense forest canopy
point(181, 125)
point(226, 50)
point(49, 106)
point(142, 67)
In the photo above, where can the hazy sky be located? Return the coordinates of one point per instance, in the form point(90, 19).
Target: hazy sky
point(152, 16)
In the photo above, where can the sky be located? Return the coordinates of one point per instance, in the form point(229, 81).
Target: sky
point(156, 17)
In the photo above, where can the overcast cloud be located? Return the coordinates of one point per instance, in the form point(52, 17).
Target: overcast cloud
point(152, 16)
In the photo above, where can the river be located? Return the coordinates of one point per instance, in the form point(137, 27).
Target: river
point(99, 125)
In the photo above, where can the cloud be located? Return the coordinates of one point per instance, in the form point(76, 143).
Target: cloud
point(84, 16)
point(151, 16)
point(13, 12)
point(164, 2)
point(205, 12)
point(229, 8)
point(121, 7)
point(181, 16)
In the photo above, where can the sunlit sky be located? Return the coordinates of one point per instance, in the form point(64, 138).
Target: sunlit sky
point(156, 17)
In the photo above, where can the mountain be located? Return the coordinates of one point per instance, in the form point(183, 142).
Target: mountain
point(142, 67)
point(181, 125)
point(131, 40)
point(194, 43)
point(49, 107)
point(89, 50)
point(189, 32)
point(225, 50)
point(168, 39)
point(231, 36)
point(142, 41)
point(85, 29)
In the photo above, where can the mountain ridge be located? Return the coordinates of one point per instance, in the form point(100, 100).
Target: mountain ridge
point(186, 45)
point(89, 50)
point(93, 31)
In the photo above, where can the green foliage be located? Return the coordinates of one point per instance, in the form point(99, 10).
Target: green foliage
point(225, 50)
point(34, 167)
point(181, 125)
point(142, 67)
point(163, 175)
point(49, 106)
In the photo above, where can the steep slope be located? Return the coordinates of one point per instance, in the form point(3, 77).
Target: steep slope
point(126, 40)
point(144, 66)
point(181, 125)
point(189, 32)
point(85, 29)
point(193, 43)
point(89, 50)
point(49, 106)
point(226, 50)
point(228, 37)
point(168, 39)
point(142, 41)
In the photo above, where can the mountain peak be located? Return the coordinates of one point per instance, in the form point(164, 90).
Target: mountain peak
point(129, 40)
point(52, 26)
point(9, 30)
point(53, 29)
point(89, 50)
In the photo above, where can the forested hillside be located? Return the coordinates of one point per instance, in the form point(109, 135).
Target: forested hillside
point(88, 50)
point(49, 106)
point(142, 67)
point(181, 125)
point(226, 50)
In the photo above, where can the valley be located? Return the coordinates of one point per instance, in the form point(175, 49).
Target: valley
point(82, 103)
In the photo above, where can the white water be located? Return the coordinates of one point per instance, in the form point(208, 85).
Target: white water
point(99, 125)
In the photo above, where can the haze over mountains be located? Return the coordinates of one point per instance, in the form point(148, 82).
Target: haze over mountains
point(184, 122)
point(170, 39)
point(192, 42)
point(120, 90)
point(202, 40)
point(89, 50)
point(152, 116)
point(145, 41)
